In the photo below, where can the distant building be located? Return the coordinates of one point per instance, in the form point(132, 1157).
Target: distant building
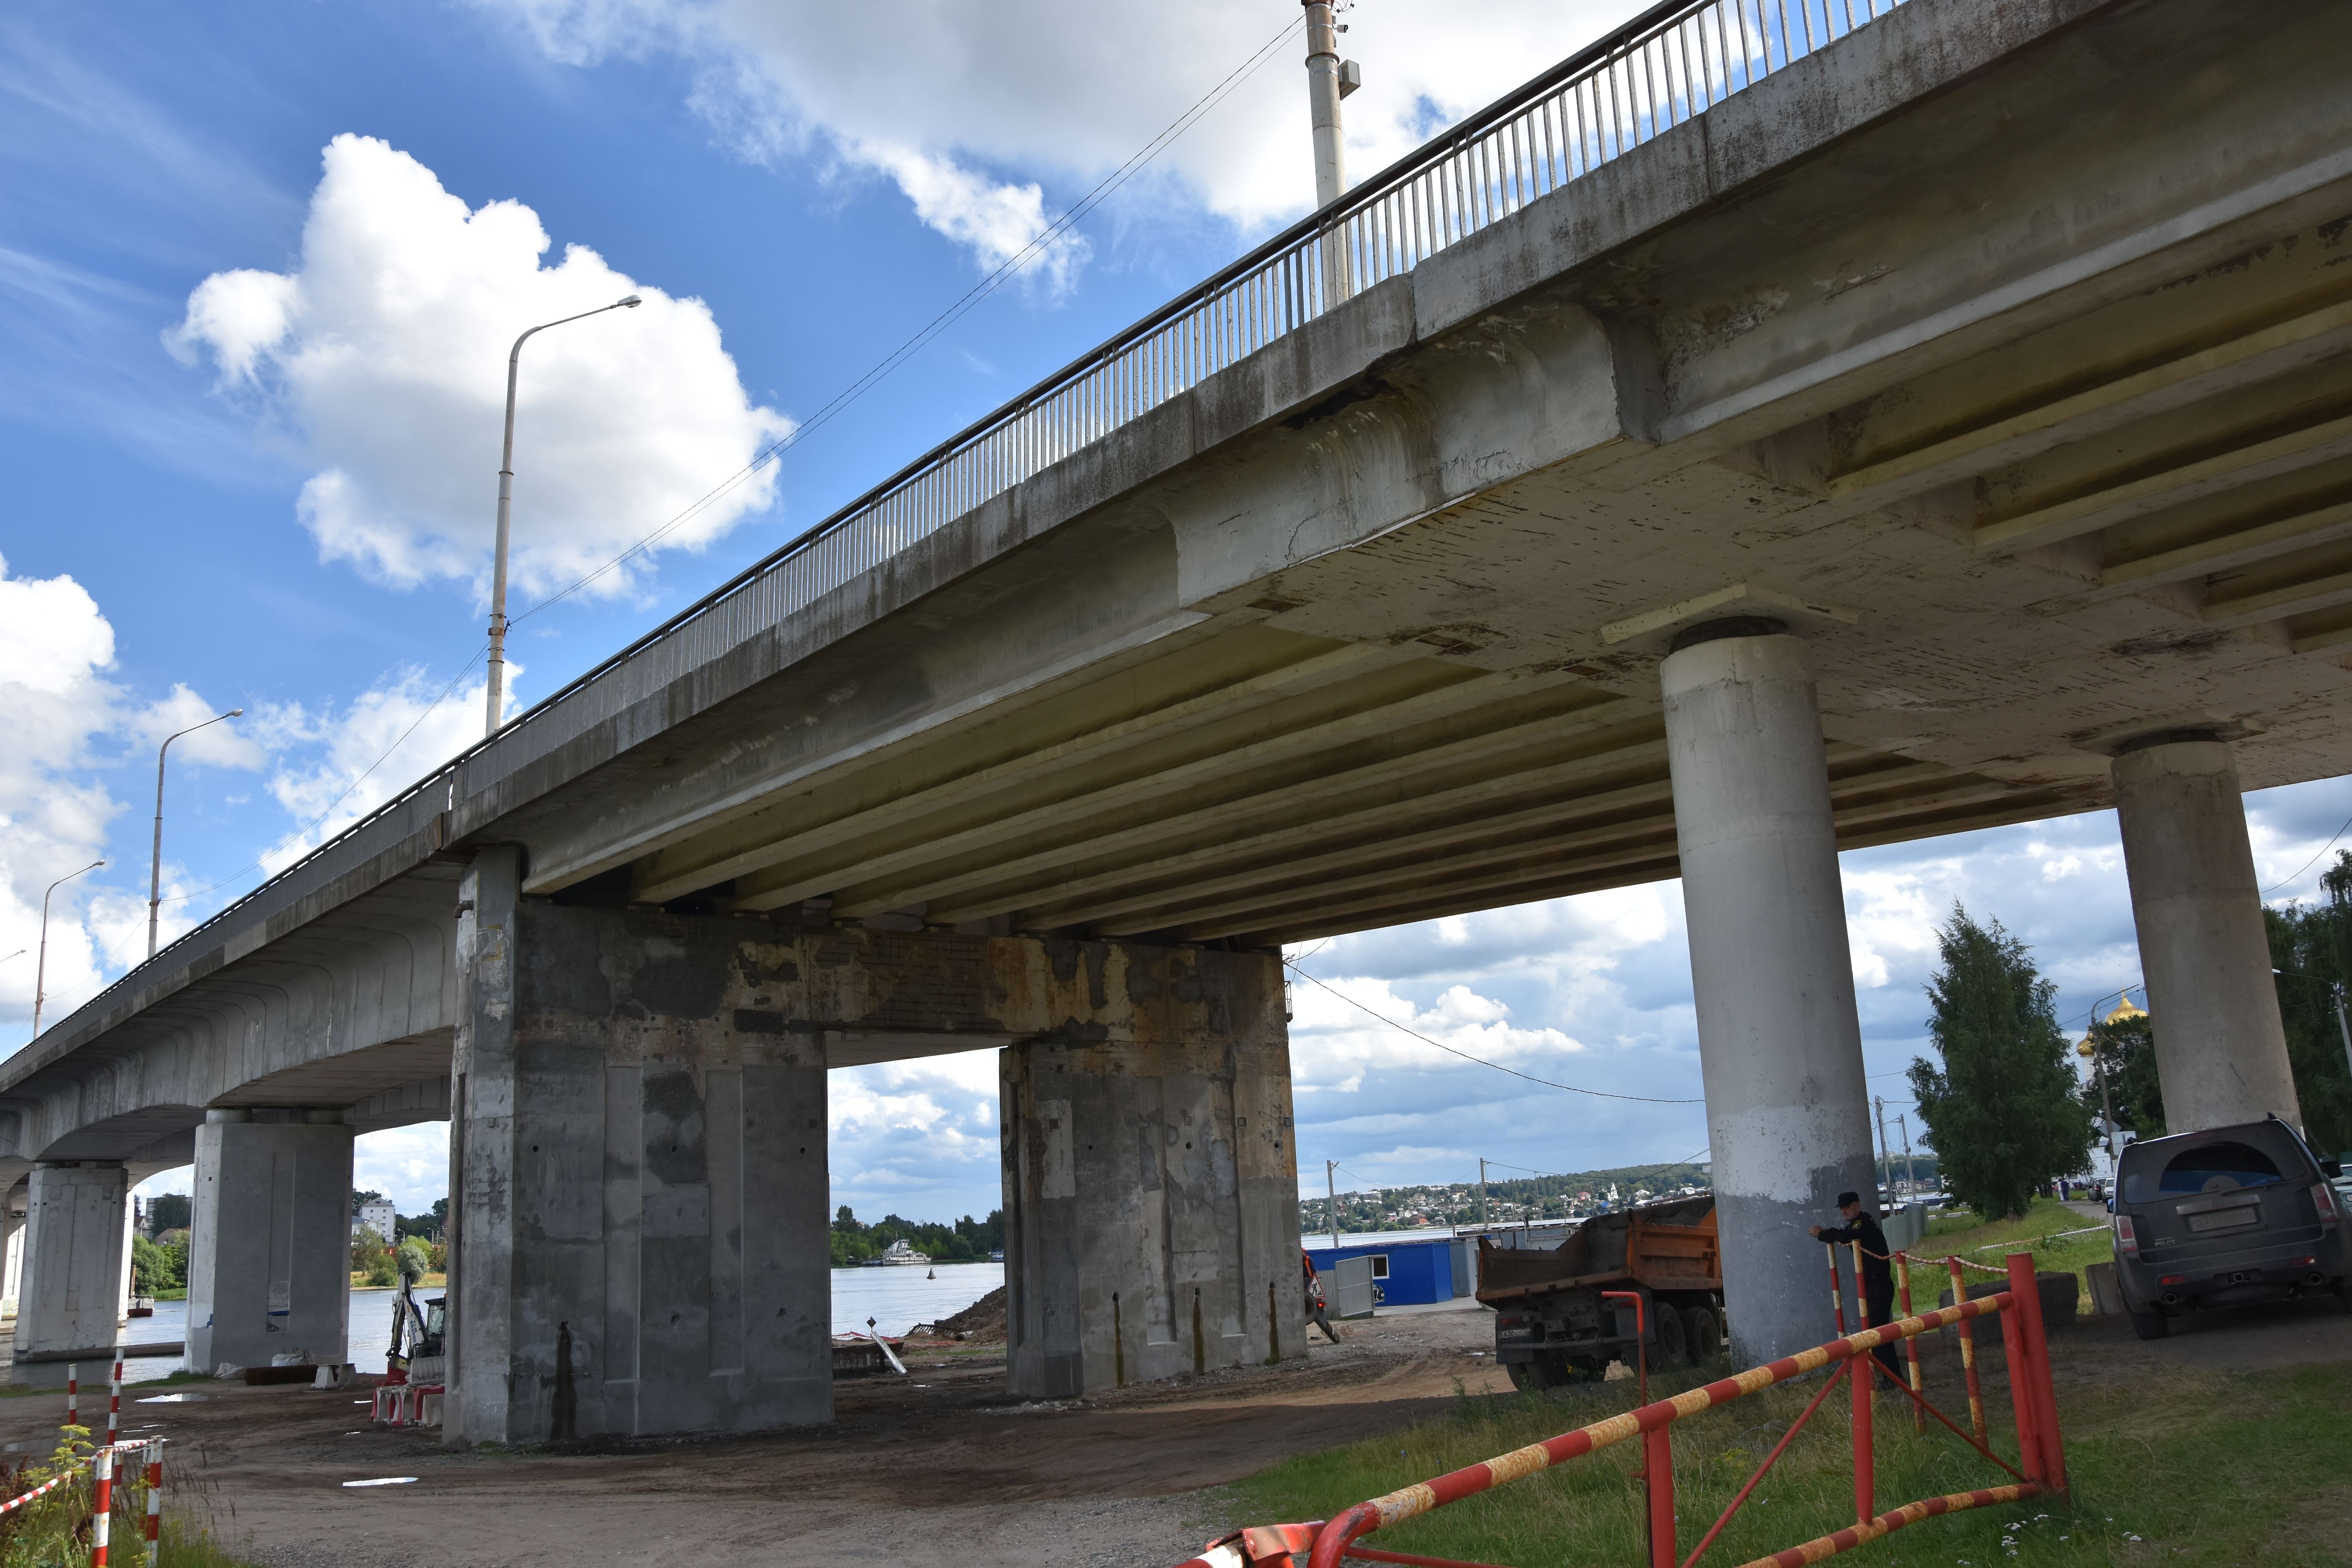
point(379, 1216)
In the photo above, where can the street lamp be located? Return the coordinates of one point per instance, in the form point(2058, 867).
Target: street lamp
point(496, 696)
point(41, 964)
point(155, 873)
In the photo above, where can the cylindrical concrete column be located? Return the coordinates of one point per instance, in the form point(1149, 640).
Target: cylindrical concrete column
point(1779, 1047)
point(77, 1262)
point(2221, 1049)
point(269, 1238)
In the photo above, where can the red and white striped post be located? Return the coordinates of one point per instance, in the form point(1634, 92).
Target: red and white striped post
point(1865, 1475)
point(1911, 1345)
point(154, 1501)
point(114, 1404)
point(103, 1515)
point(1837, 1296)
point(1969, 1351)
point(73, 1393)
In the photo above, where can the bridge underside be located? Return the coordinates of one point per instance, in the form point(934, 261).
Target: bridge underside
point(2034, 451)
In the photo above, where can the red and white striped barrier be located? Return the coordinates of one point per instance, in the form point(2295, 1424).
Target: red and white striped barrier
point(114, 1404)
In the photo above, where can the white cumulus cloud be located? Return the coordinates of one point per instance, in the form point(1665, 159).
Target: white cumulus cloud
point(380, 357)
point(982, 100)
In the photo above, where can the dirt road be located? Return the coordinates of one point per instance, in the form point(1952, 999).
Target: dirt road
point(940, 1467)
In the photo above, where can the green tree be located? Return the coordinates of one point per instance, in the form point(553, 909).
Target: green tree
point(154, 1267)
point(2002, 1110)
point(2126, 1048)
point(168, 1211)
point(415, 1258)
point(371, 1259)
point(2310, 945)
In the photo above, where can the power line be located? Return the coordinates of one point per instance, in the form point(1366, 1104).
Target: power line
point(360, 778)
point(2307, 865)
point(1465, 1056)
point(955, 312)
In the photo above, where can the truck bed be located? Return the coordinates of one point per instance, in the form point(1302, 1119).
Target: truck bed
point(1664, 1247)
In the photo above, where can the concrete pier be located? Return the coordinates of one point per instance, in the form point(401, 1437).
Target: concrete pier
point(1780, 1047)
point(1151, 1181)
point(640, 1177)
point(269, 1238)
point(2220, 1048)
point(77, 1271)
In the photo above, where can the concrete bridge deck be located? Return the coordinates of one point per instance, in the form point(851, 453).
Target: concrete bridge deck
point(1995, 352)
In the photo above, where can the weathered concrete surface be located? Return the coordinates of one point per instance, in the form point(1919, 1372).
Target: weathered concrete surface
point(2003, 347)
point(269, 1238)
point(1787, 1109)
point(2204, 950)
point(1150, 1179)
point(641, 1164)
point(76, 1261)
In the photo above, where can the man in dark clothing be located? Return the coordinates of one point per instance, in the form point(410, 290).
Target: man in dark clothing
point(1316, 1313)
point(1877, 1272)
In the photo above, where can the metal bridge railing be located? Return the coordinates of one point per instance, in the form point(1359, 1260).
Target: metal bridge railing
point(1671, 63)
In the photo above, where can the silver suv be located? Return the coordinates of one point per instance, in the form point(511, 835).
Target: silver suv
point(2225, 1218)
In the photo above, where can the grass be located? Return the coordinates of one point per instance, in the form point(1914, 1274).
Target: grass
point(2219, 1470)
point(1975, 1238)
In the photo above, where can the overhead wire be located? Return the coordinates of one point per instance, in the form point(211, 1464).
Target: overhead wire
point(1043, 241)
point(841, 400)
point(1465, 1056)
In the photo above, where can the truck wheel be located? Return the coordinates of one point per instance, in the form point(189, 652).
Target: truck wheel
point(2150, 1325)
point(1671, 1347)
point(1536, 1376)
point(1703, 1340)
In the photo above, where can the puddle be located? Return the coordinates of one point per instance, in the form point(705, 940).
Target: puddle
point(175, 1399)
point(384, 1482)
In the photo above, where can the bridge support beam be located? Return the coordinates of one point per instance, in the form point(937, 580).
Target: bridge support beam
point(269, 1238)
point(77, 1260)
point(2220, 1048)
point(639, 1170)
point(1150, 1181)
point(1780, 1045)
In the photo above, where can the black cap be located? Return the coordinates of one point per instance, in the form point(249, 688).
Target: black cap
point(1845, 1198)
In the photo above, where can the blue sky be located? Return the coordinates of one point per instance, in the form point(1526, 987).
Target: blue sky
point(259, 267)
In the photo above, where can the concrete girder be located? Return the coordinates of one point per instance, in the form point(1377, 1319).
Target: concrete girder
point(1442, 723)
point(922, 784)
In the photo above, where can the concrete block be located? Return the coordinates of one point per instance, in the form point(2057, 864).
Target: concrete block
point(78, 1261)
point(269, 1240)
point(1150, 1179)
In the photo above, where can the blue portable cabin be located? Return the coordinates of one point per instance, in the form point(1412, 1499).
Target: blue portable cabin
point(1412, 1268)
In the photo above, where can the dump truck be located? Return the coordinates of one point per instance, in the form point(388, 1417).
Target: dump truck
point(1552, 1325)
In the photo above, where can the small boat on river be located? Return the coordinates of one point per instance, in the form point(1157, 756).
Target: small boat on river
point(900, 1254)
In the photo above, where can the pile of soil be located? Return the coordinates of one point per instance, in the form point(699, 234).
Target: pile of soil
point(983, 1320)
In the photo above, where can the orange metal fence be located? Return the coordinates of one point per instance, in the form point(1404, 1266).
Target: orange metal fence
point(2041, 1464)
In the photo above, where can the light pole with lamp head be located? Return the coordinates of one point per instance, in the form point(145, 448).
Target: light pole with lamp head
point(41, 964)
point(155, 871)
point(495, 697)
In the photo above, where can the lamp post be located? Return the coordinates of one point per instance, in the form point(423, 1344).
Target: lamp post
point(41, 964)
point(155, 869)
point(496, 696)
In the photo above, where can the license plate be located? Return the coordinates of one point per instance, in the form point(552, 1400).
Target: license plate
point(2224, 1219)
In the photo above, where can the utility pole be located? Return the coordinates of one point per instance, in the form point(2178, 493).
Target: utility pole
point(1910, 1171)
point(1328, 79)
point(1885, 1150)
point(155, 869)
point(1331, 1191)
point(2342, 1027)
point(1482, 1191)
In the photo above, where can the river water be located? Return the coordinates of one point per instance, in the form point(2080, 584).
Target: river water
point(895, 1298)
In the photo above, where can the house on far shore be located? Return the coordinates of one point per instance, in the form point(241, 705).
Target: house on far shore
point(379, 1216)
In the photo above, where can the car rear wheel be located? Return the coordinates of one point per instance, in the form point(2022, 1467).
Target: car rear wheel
point(2151, 1325)
point(1701, 1337)
point(1671, 1348)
